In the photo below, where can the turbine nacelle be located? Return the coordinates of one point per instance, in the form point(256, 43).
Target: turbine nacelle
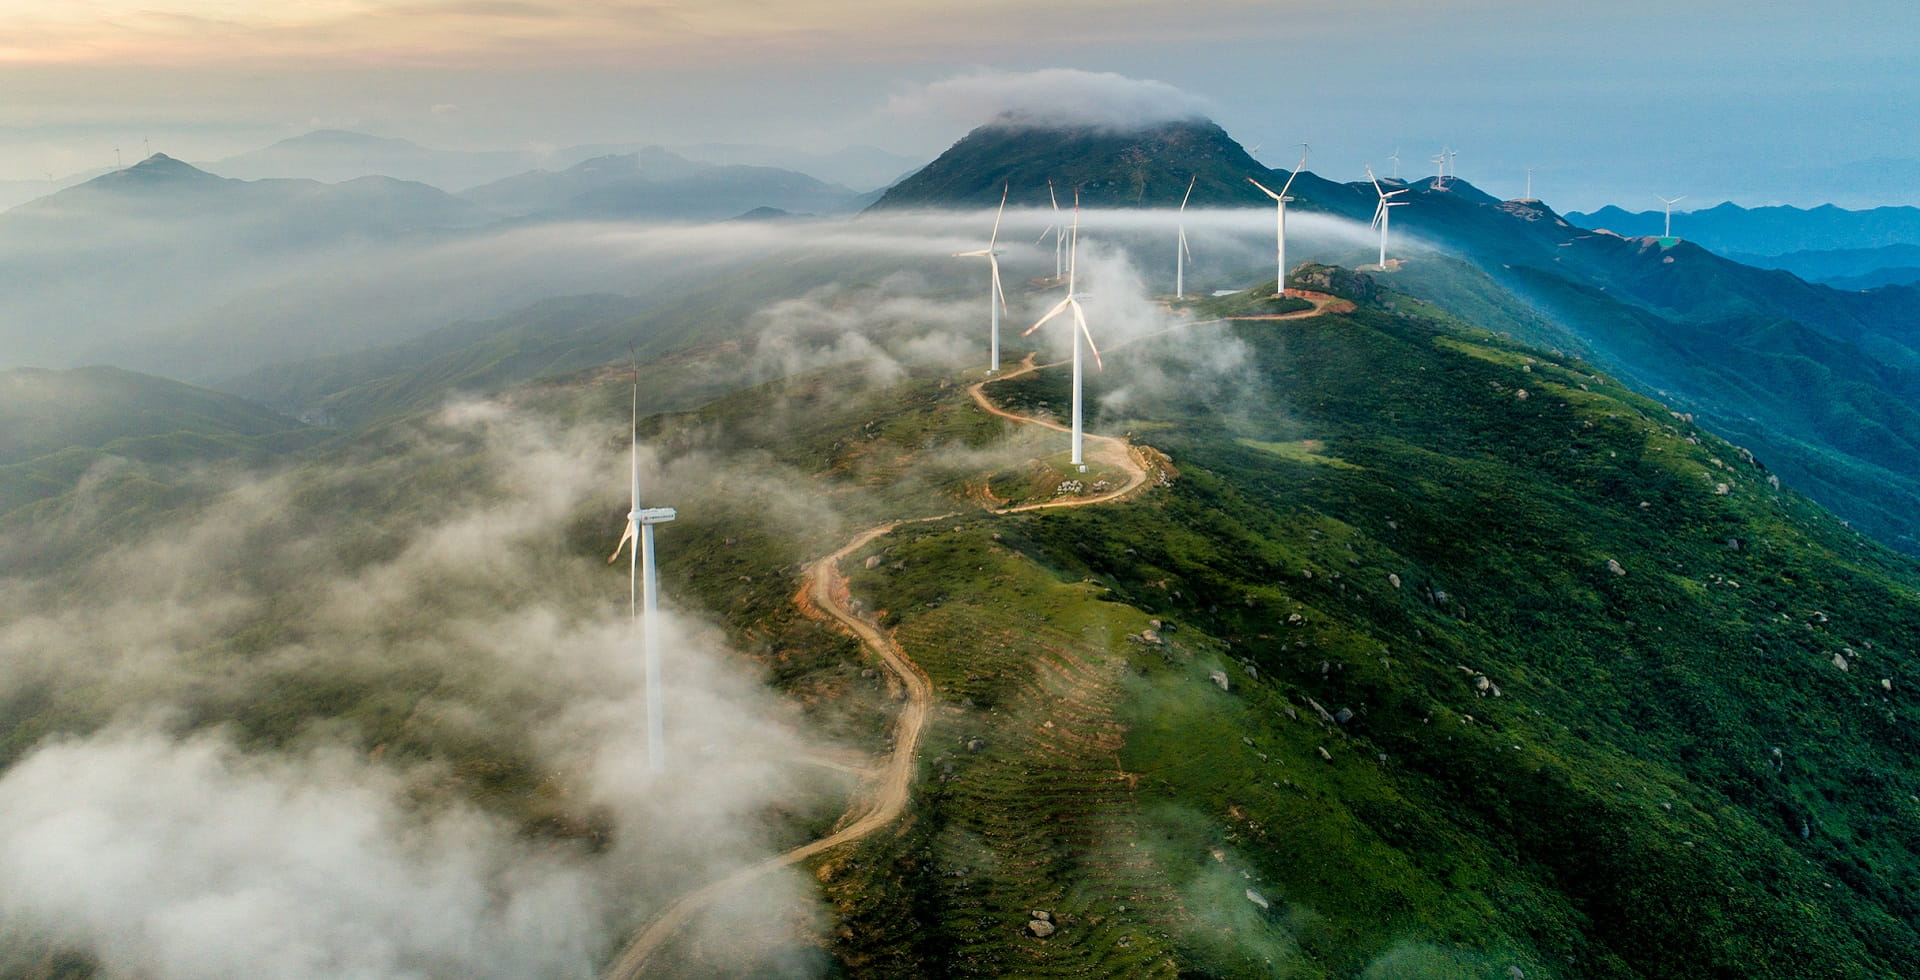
point(652, 515)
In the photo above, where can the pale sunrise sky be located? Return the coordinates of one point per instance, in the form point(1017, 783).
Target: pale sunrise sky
point(1755, 102)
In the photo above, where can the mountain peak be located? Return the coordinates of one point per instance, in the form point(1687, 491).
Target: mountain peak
point(1145, 166)
point(155, 171)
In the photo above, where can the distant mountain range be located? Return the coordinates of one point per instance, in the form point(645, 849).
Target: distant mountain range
point(1731, 229)
point(656, 184)
point(334, 155)
point(133, 250)
point(166, 267)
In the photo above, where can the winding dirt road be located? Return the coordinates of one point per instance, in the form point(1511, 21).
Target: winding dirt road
point(826, 592)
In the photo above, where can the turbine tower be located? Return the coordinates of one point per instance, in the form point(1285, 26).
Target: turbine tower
point(1670, 204)
point(1181, 253)
point(996, 297)
point(1382, 213)
point(644, 587)
point(1072, 303)
point(1280, 222)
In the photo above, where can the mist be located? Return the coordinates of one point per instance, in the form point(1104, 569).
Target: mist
point(296, 736)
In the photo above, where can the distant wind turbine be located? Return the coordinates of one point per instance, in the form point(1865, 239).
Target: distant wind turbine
point(1280, 222)
point(1072, 304)
point(1181, 253)
point(1383, 213)
point(1254, 150)
point(116, 158)
point(1057, 230)
point(1670, 204)
point(996, 297)
point(1396, 162)
point(1529, 196)
point(645, 591)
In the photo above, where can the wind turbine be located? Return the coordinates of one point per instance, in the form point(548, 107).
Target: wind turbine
point(996, 297)
point(1056, 230)
point(1072, 303)
point(645, 592)
point(1181, 253)
point(1529, 196)
point(1382, 213)
point(1396, 162)
point(1280, 222)
point(1670, 204)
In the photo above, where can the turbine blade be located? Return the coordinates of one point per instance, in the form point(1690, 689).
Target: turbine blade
point(1263, 187)
point(1055, 198)
point(1043, 235)
point(1058, 308)
point(1289, 184)
point(998, 293)
point(1080, 320)
point(1004, 188)
point(624, 538)
point(1190, 182)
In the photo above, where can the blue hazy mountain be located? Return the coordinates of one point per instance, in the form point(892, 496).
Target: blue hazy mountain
point(654, 183)
point(1845, 268)
point(1729, 228)
point(133, 250)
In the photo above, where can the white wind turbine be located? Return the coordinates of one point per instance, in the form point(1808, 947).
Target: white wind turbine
point(1181, 253)
point(645, 592)
point(1057, 230)
point(996, 297)
point(1383, 213)
point(1280, 222)
point(1072, 303)
point(1670, 204)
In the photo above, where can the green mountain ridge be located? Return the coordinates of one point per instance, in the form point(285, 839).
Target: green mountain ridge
point(1429, 655)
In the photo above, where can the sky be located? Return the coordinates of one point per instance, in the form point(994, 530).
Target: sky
point(1756, 102)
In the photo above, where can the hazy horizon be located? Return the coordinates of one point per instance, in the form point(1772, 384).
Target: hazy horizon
point(1608, 106)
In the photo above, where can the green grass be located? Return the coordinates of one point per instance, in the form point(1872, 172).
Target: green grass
point(1613, 811)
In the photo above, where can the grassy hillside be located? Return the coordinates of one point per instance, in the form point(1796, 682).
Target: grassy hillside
point(1466, 659)
point(57, 427)
point(1427, 654)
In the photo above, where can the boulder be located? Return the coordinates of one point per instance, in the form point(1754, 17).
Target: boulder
point(1220, 677)
point(1614, 567)
point(1039, 928)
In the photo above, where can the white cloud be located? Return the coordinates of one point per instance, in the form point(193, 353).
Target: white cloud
point(1051, 97)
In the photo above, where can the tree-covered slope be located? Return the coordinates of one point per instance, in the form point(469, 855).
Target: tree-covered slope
point(1146, 167)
